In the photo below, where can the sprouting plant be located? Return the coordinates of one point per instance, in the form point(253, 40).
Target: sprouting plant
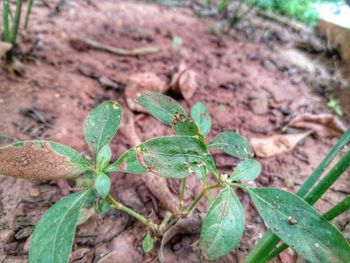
point(289, 216)
point(11, 23)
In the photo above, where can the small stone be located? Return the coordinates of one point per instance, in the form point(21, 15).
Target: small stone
point(7, 235)
point(292, 220)
point(288, 183)
point(34, 192)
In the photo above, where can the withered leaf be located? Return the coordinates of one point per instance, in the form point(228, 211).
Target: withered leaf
point(276, 144)
point(41, 160)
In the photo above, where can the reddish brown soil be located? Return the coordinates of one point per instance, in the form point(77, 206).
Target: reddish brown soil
point(245, 86)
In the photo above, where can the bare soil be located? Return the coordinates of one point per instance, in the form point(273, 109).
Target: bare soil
point(246, 85)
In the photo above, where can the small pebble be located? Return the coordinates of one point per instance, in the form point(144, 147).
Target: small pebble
point(34, 192)
point(7, 235)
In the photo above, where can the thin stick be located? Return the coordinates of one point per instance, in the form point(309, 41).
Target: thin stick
point(182, 193)
point(121, 52)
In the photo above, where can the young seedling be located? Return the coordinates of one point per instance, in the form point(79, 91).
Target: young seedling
point(11, 23)
point(184, 154)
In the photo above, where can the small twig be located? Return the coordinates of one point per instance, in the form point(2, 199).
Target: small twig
point(121, 52)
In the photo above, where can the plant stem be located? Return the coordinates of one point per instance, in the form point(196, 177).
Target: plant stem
point(114, 203)
point(329, 179)
point(199, 197)
point(16, 21)
point(164, 224)
point(266, 243)
point(309, 183)
point(6, 13)
point(182, 193)
point(329, 215)
point(29, 10)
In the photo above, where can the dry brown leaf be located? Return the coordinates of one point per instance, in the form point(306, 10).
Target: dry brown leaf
point(184, 81)
point(4, 47)
point(276, 144)
point(324, 125)
point(139, 84)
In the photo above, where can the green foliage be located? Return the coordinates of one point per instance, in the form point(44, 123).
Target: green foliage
point(233, 144)
point(102, 184)
point(300, 226)
point(291, 218)
point(52, 238)
point(103, 158)
point(247, 170)
point(170, 157)
point(161, 107)
point(335, 106)
point(102, 124)
point(302, 10)
point(223, 225)
point(201, 116)
point(147, 244)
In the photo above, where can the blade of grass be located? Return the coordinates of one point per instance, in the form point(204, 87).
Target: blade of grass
point(29, 10)
point(6, 14)
point(332, 213)
point(16, 21)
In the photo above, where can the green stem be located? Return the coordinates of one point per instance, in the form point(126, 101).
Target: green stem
point(332, 213)
point(266, 243)
point(164, 224)
point(29, 10)
point(200, 196)
point(114, 203)
point(182, 193)
point(310, 182)
point(16, 21)
point(329, 179)
point(6, 13)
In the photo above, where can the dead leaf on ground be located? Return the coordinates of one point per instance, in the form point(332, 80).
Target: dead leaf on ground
point(184, 81)
point(4, 47)
point(140, 83)
point(324, 125)
point(276, 144)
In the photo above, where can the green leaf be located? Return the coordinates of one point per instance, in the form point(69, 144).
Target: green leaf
point(201, 116)
point(233, 144)
point(103, 184)
point(147, 244)
point(52, 238)
point(223, 225)
point(160, 106)
point(41, 160)
point(184, 126)
point(169, 156)
point(103, 157)
point(102, 124)
point(300, 226)
point(247, 170)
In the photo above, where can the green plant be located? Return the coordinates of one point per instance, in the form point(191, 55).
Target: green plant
point(291, 218)
point(11, 24)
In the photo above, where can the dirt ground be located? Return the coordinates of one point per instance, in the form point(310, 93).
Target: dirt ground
point(245, 82)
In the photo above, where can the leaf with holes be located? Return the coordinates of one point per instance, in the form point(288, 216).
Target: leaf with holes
point(185, 126)
point(223, 225)
point(233, 144)
point(52, 238)
point(102, 124)
point(246, 170)
point(160, 106)
point(300, 226)
point(41, 160)
point(169, 156)
point(201, 116)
